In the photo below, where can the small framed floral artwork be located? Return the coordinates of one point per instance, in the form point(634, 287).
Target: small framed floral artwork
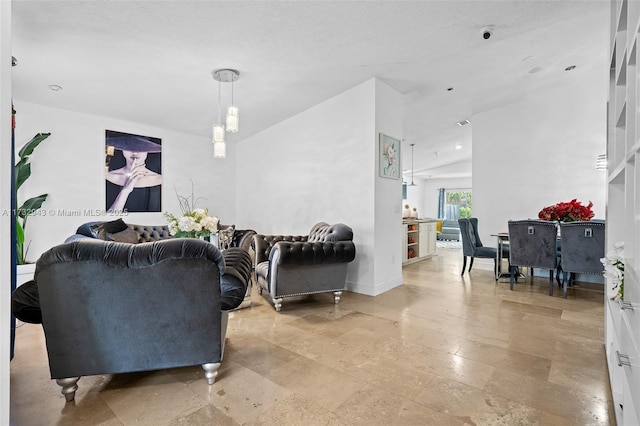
point(389, 154)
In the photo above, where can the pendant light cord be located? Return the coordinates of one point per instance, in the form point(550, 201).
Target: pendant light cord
point(219, 100)
point(412, 164)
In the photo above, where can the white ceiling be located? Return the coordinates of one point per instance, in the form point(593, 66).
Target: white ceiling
point(151, 61)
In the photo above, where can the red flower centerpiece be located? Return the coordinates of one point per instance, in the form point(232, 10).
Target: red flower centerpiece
point(567, 212)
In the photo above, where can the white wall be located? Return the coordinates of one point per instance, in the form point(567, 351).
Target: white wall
point(415, 196)
point(320, 165)
point(69, 166)
point(5, 205)
point(539, 151)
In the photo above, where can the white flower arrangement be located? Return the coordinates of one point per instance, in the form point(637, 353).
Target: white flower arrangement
point(194, 222)
point(614, 269)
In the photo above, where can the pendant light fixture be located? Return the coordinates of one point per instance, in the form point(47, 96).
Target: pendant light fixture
point(232, 118)
point(412, 184)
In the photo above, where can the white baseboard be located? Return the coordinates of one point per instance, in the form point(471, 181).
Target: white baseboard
point(376, 289)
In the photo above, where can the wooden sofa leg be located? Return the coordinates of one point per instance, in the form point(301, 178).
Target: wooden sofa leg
point(336, 297)
point(211, 371)
point(69, 387)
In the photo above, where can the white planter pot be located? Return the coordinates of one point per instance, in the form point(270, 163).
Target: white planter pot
point(25, 273)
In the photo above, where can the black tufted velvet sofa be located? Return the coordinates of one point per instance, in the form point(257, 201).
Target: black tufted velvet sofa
point(294, 265)
point(239, 265)
point(241, 237)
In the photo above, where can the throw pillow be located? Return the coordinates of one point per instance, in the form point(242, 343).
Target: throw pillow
point(105, 228)
point(127, 236)
point(89, 229)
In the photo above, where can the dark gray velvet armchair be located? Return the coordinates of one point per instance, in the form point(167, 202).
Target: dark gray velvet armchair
point(295, 265)
point(533, 243)
point(582, 246)
point(110, 307)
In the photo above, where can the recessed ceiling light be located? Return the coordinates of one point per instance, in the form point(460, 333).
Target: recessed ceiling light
point(55, 87)
point(570, 68)
point(463, 123)
point(458, 146)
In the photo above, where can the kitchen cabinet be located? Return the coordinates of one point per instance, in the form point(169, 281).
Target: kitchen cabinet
point(419, 240)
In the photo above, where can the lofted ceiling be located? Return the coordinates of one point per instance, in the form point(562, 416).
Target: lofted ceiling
point(151, 61)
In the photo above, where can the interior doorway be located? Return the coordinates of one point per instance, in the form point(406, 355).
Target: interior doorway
point(454, 204)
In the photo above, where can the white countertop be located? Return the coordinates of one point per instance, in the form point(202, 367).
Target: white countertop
point(419, 220)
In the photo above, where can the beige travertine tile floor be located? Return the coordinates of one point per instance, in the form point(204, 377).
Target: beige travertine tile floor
point(439, 350)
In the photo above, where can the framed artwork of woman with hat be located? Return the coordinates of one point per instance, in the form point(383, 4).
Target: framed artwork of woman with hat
point(133, 173)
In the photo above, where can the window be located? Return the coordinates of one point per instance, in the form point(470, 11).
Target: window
point(454, 204)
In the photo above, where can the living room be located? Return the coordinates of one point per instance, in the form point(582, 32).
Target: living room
point(320, 163)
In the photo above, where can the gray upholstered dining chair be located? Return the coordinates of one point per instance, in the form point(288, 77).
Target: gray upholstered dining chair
point(533, 243)
point(582, 246)
point(472, 246)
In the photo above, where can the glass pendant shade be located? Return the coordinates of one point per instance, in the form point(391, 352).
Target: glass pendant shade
point(218, 133)
point(232, 119)
point(219, 149)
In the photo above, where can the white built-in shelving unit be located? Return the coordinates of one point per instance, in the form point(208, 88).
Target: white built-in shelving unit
point(419, 241)
point(622, 320)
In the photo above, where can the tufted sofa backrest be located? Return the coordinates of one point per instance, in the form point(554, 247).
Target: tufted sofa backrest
point(130, 255)
point(145, 233)
point(148, 233)
point(324, 233)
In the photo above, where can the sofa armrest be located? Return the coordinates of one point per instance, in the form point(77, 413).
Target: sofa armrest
point(242, 238)
point(312, 253)
point(236, 278)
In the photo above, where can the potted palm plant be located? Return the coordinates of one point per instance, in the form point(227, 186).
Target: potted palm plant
point(30, 206)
